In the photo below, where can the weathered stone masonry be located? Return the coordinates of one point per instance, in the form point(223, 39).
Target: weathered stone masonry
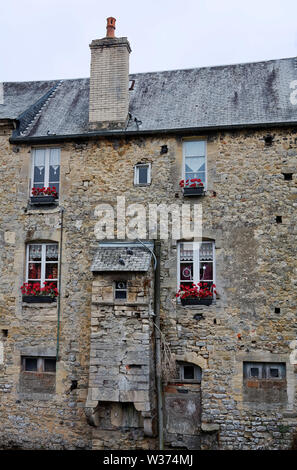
point(246, 178)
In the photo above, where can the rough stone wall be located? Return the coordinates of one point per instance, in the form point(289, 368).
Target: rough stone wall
point(255, 274)
point(122, 357)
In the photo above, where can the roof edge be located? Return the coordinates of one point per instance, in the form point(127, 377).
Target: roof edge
point(182, 130)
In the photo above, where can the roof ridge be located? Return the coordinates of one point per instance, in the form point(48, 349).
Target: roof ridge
point(29, 117)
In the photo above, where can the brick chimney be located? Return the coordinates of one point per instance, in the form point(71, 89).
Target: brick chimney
point(109, 80)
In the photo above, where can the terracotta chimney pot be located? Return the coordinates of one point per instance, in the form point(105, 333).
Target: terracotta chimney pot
point(110, 27)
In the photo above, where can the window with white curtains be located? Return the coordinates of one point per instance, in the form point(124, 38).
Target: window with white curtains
point(196, 263)
point(42, 263)
point(194, 152)
point(46, 168)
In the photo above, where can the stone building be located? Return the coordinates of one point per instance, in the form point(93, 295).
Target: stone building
point(116, 360)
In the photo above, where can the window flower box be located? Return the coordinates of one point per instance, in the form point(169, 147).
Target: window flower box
point(38, 299)
point(192, 187)
point(43, 196)
point(196, 294)
point(196, 301)
point(33, 293)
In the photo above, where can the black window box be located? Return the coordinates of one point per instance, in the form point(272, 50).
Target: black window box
point(38, 299)
point(38, 200)
point(196, 301)
point(199, 191)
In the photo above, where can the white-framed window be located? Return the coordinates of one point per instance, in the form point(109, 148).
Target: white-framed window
point(142, 174)
point(42, 263)
point(196, 263)
point(46, 168)
point(120, 290)
point(194, 157)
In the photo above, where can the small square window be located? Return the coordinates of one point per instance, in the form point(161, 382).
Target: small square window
point(142, 174)
point(120, 290)
point(189, 373)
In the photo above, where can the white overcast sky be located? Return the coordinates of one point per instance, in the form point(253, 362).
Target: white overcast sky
point(49, 39)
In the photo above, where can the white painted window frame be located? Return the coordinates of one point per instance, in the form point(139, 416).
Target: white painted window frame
point(184, 158)
point(136, 174)
point(43, 263)
point(46, 164)
point(196, 261)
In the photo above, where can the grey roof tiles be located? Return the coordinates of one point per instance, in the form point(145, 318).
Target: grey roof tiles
point(231, 95)
point(121, 258)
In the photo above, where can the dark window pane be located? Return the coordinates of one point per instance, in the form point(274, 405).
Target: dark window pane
point(188, 372)
point(31, 364)
point(49, 365)
point(186, 272)
point(54, 174)
point(142, 174)
point(38, 175)
point(206, 272)
point(273, 372)
point(254, 372)
point(120, 294)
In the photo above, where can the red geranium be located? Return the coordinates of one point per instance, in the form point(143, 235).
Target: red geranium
point(200, 290)
point(49, 289)
point(45, 191)
point(191, 183)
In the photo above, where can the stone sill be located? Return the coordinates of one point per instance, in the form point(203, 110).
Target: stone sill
point(214, 303)
point(123, 304)
point(36, 396)
point(42, 210)
point(52, 305)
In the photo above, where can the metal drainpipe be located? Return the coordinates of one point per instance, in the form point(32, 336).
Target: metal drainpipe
point(158, 364)
point(59, 285)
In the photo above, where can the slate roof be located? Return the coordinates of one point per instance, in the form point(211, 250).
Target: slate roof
point(201, 98)
point(122, 257)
